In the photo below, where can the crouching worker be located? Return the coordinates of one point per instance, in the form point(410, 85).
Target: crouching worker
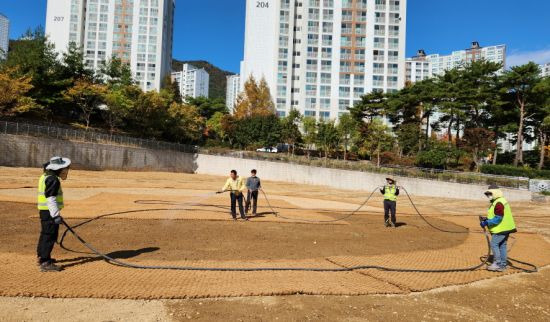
point(50, 203)
point(235, 185)
point(500, 222)
point(390, 192)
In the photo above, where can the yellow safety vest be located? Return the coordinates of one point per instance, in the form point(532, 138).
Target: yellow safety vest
point(42, 201)
point(389, 193)
point(507, 224)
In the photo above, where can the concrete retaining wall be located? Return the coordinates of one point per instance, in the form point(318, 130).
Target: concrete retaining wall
point(22, 151)
point(27, 151)
point(344, 179)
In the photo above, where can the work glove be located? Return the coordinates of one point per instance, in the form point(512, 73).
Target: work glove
point(58, 220)
point(483, 223)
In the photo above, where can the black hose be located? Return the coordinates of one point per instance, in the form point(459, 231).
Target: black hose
point(230, 269)
point(256, 269)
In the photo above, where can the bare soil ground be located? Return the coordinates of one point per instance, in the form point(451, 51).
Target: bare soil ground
point(179, 221)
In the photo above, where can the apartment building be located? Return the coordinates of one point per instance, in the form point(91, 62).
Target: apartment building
point(4, 36)
point(140, 32)
point(321, 56)
point(545, 70)
point(422, 66)
point(441, 63)
point(232, 91)
point(192, 81)
point(417, 68)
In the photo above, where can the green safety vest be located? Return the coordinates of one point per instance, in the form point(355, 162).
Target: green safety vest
point(42, 201)
point(507, 224)
point(389, 193)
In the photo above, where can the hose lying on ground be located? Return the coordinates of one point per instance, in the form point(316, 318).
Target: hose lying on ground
point(115, 261)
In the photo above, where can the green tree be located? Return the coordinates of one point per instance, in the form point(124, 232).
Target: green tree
point(378, 139)
point(258, 131)
point(290, 130)
point(87, 96)
point(214, 126)
point(207, 107)
point(118, 105)
point(309, 125)
point(518, 87)
point(327, 137)
point(540, 121)
point(347, 129)
point(114, 72)
point(35, 56)
point(479, 142)
point(186, 124)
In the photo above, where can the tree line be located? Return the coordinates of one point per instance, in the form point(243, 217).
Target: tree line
point(454, 121)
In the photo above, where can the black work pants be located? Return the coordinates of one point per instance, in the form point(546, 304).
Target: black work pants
point(234, 199)
point(390, 207)
point(48, 236)
point(252, 197)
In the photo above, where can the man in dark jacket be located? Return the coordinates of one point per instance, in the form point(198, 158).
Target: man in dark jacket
point(50, 203)
point(253, 185)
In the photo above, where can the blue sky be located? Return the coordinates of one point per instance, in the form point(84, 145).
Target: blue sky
point(213, 30)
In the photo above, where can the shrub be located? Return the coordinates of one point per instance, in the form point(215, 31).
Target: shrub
point(509, 170)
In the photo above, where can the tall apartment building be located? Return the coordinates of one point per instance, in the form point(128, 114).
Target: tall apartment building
point(321, 56)
point(4, 35)
point(232, 91)
point(545, 70)
point(139, 32)
point(192, 81)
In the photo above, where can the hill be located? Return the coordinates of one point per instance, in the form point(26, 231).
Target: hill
point(218, 81)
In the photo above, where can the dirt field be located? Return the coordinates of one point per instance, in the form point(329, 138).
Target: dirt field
point(176, 220)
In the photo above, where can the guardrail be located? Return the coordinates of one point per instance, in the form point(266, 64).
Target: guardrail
point(89, 136)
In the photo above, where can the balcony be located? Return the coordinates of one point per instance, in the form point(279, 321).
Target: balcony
point(313, 29)
point(392, 84)
point(378, 83)
point(311, 67)
point(378, 70)
point(313, 16)
point(393, 71)
point(392, 58)
point(325, 81)
point(381, 7)
point(328, 17)
point(312, 54)
point(345, 56)
point(394, 8)
point(378, 58)
point(326, 68)
point(380, 19)
point(379, 45)
point(311, 80)
point(344, 94)
point(346, 31)
point(359, 57)
point(379, 32)
point(326, 55)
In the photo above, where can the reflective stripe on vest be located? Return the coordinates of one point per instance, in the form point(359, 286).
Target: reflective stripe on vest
point(42, 201)
point(389, 193)
point(507, 224)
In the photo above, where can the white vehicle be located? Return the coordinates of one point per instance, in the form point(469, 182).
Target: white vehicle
point(268, 150)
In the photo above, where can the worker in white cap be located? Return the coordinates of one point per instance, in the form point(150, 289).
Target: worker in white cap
point(500, 222)
point(50, 203)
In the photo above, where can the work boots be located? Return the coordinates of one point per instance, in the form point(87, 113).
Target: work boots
point(49, 267)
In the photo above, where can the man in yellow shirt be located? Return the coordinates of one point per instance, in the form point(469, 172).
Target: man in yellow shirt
point(235, 185)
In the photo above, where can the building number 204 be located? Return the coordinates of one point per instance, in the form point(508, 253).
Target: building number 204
point(262, 4)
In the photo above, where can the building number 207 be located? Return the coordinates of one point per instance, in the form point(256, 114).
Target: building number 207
point(262, 4)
